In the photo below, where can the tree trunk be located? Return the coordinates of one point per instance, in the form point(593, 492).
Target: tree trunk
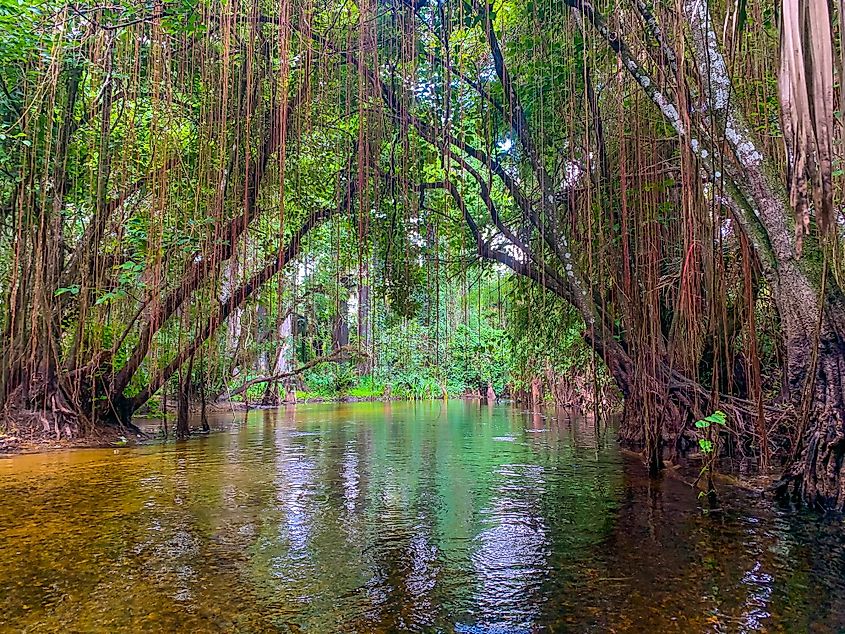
point(491, 393)
point(814, 340)
point(340, 332)
point(811, 308)
point(536, 393)
point(283, 360)
point(203, 401)
point(183, 429)
point(364, 364)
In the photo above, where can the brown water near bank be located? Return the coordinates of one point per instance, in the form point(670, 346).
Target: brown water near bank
point(386, 517)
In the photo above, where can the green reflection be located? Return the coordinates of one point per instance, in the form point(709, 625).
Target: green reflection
point(391, 517)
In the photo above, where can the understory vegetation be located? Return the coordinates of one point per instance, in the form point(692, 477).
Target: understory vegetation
point(557, 200)
point(456, 347)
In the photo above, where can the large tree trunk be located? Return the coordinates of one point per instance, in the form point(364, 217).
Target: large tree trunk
point(31, 376)
point(811, 308)
point(814, 338)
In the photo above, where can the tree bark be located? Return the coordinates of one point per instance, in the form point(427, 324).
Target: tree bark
point(282, 365)
point(183, 429)
point(814, 333)
point(364, 317)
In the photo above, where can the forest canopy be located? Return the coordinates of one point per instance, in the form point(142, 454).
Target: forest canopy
point(437, 196)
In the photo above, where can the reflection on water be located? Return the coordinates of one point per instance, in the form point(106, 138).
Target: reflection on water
point(397, 517)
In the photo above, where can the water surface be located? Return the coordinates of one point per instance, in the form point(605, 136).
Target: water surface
point(398, 517)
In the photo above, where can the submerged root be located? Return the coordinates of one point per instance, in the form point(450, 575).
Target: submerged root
point(659, 419)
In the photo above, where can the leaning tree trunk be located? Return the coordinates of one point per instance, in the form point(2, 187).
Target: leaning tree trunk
point(811, 308)
point(236, 299)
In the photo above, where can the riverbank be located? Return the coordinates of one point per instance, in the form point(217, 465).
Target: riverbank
point(241, 406)
point(24, 438)
point(29, 435)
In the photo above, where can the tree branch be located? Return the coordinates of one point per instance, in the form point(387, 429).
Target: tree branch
point(341, 354)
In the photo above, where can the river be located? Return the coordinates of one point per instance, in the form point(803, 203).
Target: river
point(418, 517)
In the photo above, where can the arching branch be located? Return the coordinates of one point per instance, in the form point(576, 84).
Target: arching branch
point(219, 249)
point(235, 300)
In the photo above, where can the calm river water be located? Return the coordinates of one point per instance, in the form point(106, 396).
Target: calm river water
point(398, 517)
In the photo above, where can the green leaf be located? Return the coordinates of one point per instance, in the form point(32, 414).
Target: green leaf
point(719, 417)
point(73, 290)
point(108, 297)
point(706, 445)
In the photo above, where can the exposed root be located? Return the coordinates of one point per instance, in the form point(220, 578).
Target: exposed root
point(815, 477)
point(28, 431)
